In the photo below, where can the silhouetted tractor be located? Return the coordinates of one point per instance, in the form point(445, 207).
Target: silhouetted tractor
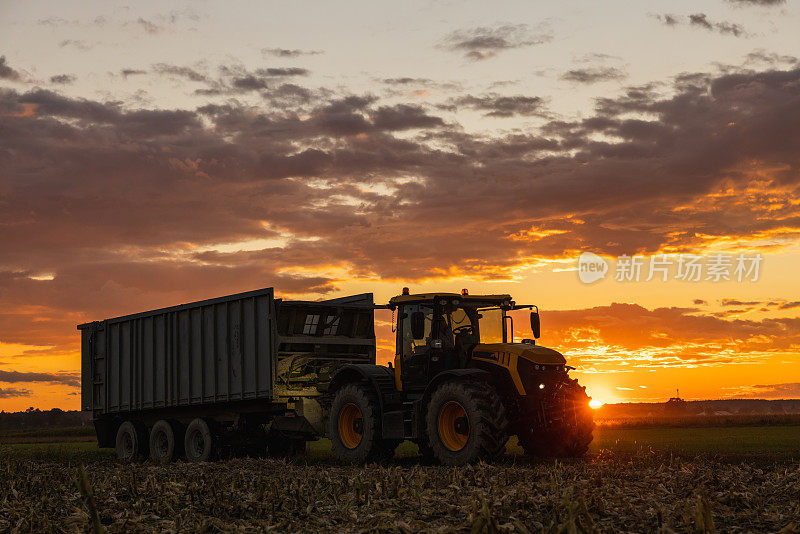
point(459, 387)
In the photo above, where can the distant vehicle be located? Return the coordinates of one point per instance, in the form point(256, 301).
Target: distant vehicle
point(253, 373)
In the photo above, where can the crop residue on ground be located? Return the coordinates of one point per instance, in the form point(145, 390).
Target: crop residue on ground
point(602, 493)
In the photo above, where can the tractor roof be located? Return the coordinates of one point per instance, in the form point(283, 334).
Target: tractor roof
point(429, 297)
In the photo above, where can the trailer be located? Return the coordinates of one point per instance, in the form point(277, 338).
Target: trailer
point(245, 372)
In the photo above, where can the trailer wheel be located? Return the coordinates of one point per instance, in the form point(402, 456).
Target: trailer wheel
point(466, 422)
point(163, 442)
point(354, 427)
point(199, 441)
point(131, 442)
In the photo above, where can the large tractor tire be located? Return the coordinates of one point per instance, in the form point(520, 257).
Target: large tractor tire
point(570, 425)
point(131, 442)
point(466, 422)
point(354, 426)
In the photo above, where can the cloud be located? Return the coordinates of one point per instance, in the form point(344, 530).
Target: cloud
point(63, 79)
point(285, 52)
point(77, 43)
point(486, 42)
point(174, 70)
point(10, 393)
point(768, 391)
point(700, 20)
point(148, 26)
point(669, 20)
point(408, 81)
point(789, 305)
point(736, 302)
point(594, 75)
point(67, 379)
point(6, 72)
point(501, 106)
point(757, 2)
point(700, 302)
point(621, 335)
point(173, 205)
point(132, 72)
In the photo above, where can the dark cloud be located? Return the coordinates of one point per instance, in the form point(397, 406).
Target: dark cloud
point(148, 26)
point(6, 72)
point(132, 72)
point(182, 72)
point(757, 2)
point(10, 393)
point(278, 72)
point(594, 75)
point(789, 305)
point(769, 391)
point(76, 43)
point(669, 20)
point(486, 42)
point(408, 81)
point(67, 379)
point(63, 79)
point(771, 58)
point(502, 106)
point(132, 209)
point(700, 302)
point(284, 52)
point(701, 20)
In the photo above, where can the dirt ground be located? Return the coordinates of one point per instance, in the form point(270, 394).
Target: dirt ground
point(643, 492)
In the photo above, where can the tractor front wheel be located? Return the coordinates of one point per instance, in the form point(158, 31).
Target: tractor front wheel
point(466, 422)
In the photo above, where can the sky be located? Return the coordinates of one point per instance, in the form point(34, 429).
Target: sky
point(160, 153)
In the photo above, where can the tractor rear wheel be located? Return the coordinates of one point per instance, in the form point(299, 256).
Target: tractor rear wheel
point(569, 429)
point(354, 426)
point(466, 422)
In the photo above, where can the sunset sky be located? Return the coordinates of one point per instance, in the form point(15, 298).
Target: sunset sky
point(158, 153)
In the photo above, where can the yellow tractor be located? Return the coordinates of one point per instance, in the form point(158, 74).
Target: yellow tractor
point(462, 383)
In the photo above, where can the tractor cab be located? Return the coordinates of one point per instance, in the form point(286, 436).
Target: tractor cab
point(442, 331)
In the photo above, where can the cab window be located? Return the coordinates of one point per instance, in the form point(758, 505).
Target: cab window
point(411, 345)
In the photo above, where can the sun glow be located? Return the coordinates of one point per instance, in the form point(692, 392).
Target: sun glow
point(595, 404)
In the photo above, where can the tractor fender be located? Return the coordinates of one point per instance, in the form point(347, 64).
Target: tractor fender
point(450, 374)
point(380, 378)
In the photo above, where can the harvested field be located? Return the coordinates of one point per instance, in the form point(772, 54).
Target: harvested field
point(614, 489)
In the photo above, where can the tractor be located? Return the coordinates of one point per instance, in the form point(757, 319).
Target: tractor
point(462, 383)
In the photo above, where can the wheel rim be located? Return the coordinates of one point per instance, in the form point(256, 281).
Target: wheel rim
point(351, 426)
point(127, 445)
point(453, 426)
point(198, 444)
point(162, 444)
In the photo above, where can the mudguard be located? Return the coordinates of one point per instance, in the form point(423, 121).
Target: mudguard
point(379, 377)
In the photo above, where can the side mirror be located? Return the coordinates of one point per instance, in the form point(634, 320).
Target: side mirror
point(418, 325)
point(536, 326)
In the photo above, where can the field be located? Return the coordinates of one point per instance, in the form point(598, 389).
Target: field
point(697, 479)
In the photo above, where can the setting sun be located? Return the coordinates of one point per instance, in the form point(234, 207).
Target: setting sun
point(595, 404)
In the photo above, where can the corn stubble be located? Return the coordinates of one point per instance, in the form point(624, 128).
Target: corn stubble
point(599, 494)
